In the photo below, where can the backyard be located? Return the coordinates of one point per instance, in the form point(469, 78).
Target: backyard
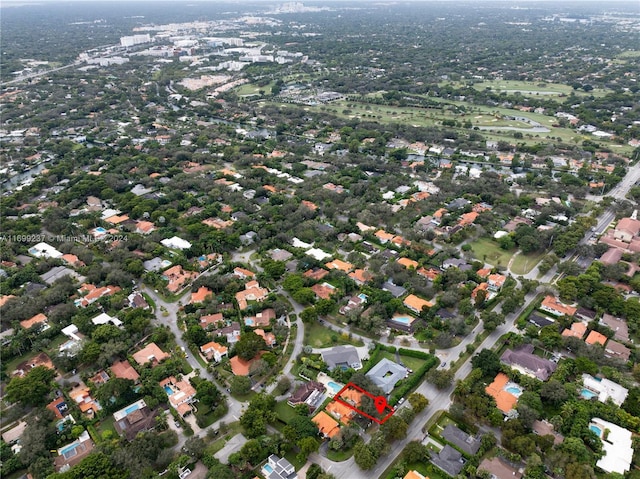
point(318, 336)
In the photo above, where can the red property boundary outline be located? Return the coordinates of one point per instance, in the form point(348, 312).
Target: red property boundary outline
point(362, 413)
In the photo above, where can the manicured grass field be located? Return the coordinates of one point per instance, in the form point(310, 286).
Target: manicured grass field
point(215, 446)
point(410, 362)
point(487, 250)
point(318, 336)
point(522, 263)
point(285, 412)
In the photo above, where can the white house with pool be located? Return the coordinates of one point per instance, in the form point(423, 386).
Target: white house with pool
point(616, 444)
point(603, 389)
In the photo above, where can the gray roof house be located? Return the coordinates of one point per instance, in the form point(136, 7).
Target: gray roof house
point(279, 468)
point(342, 357)
point(462, 440)
point(523, 360)
point(386, 374)
point(449, 460)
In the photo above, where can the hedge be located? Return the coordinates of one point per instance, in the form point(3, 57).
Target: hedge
point(414, 354)
point(413, 380)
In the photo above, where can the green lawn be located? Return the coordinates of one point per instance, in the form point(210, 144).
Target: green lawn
point(487, 250)
point(318, 336)
point(339, 456)
point(215, 446)
point(410, 362)
point(285, 412)
point(523, 263)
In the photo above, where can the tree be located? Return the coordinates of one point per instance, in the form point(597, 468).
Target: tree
point(207, 392)
point(440, 378)
point(240, 385)
point(194, 447)
point(249, 345)
point(307, 445)
point(364, 456)
point(283, 385)
point(258, 414)
point(95, 465)
point(554, 392)
point(487, 361)
point(300, 427)
point(418, 402)
point(394, 428)
point(33, 389)
point(415, 451)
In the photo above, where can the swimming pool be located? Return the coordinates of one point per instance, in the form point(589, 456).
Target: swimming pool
point(248, 321)
point(335, 386)
point(402, 319)
point(363, 296)
point(133, 407)
point(267, 468)
point(168, 389)
point(596, 429)
point(100, 230)
point(585, 393)
point(515, 390)
point(69, 451)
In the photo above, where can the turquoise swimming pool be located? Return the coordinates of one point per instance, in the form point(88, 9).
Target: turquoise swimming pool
point(585, 393)
point(595, 429)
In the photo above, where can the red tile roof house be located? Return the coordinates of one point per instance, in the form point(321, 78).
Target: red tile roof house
point(213, 350)
point(150, 354)
point(210, 320)
point(551, 305)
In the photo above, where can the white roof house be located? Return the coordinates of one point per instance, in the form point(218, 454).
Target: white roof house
point(618, 452)
point(318, 254)
point(44, 250)
point(176, 243)
point(605, 389)
point(71, 331)
point(104, 318)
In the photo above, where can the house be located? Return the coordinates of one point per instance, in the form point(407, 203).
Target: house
point(93, 294)
point(408, 263)
point(58, 407)
point(232, 332)
point(386, 374)
point(431, 274)
point(209, 320)
point(523, 360)
point(498, 469)
point(99, 378)
point(596, 338)
point(402, 322)
point(316, 274)
point(81, 395)
point(345, 413)
point(73, 453)
point(72, 260)
point(617, 446)
point(175, 243)
point(39, 360)
point(324, 290)
point(618, 326)
point(540, 321)
point(213, 350)
point(414, 475)
point(136, 300)
point(586, 314)
point(252, 292)
point(339, 265)
point(104, 318)
point(311, 393)
point(505, 401)
point(269, 338)
point(460, 439)
point(133, 419)
point(394, 289)
point(614, 349)
point(354, 303)
point(544, 428)
point(261, 319)
point(577, 330)
point(456, 263)
point(240, 367)
point(279, 468)
point(383, 236)
point(496, 281)
point(449, 460)
point(181, 394)
point(177, 277)
point(551, 305)
point(145, 227)
point(39, 319)
point(124, 370)
point(342, 357)
point(242, 273)
point(201, 295)
point(627, 229)
point(416, 304)
point(604, 389)
point(150, 354)
point(327, 426)
point(44, 250)
point(360, 276)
